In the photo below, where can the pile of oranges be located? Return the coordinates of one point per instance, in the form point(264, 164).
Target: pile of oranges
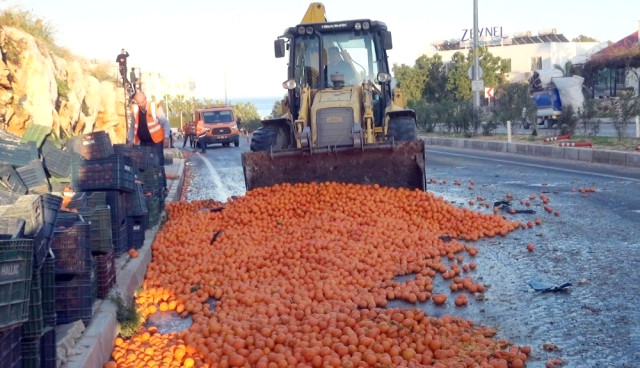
point(301, 276)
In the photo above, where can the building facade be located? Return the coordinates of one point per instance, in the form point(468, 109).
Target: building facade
point(524, 51)
point(156, 85)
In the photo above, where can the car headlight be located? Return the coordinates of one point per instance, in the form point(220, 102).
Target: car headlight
point(234, 127)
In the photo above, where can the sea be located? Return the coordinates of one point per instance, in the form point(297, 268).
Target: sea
point(263, 104)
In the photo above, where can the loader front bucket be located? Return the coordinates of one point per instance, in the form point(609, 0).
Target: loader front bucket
point(398, 165)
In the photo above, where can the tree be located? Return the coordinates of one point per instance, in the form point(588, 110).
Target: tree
point(583, 38)
point(625, 108)
point(435, 89)
point(276, 110)
point(458, 83)
point(248, 113)
point(411, 79)
point(511, 99)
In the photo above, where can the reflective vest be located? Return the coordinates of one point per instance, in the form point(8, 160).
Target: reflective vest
point(200, 131)
point(155, 128)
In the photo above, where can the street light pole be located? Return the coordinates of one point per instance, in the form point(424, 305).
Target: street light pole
point(476, 65)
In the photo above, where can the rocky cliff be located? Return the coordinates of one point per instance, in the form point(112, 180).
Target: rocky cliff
point(40, 87)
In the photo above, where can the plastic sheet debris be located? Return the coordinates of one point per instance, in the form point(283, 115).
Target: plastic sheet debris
point(506, 206)
point(545, 287)
point(215, 236)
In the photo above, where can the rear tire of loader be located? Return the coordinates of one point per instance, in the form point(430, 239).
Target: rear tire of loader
point(402, 128)
point(267, 137)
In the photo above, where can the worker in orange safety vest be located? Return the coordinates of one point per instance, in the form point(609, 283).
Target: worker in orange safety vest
point(201, 136)
point(149, 127)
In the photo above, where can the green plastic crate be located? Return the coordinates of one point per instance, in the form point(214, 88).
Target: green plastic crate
point(32, 328)
point(36, 133)
point(16, 259)
point(99, 219)
point(34, 177)
point(10, 180)
point(29, 208)
point(48, 287)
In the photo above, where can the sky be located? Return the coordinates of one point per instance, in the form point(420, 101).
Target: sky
point(227, 46)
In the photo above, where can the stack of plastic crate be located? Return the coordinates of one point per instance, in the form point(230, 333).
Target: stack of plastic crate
point(47, 340)
point(10, 180)
point(73, 269)
point(16, 258)
point(102, 247)
point(151, 175)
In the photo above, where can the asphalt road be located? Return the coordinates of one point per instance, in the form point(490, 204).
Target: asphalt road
point(593, 243)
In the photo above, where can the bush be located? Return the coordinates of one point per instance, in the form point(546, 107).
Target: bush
point(568, 120)
point(128, 317)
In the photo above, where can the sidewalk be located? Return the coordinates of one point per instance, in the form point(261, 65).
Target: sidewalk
point(91, 346)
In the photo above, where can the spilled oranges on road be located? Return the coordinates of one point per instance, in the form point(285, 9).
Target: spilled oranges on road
point(302, 274)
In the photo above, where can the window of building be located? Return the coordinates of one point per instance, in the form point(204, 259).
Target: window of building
point(536, 63)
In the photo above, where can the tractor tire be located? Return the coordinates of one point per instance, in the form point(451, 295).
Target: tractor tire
point(402, 128)
point(268, 137)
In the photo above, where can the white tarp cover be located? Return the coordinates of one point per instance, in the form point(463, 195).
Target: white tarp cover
point(547, 74)
point(570, 91)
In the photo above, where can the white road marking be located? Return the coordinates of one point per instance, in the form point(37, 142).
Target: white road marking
point(220, 189)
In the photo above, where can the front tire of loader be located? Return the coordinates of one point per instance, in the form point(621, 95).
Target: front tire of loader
point(267, 137)
point(402, 128)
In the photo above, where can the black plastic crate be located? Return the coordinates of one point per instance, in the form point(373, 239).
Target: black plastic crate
point(57, 161)
point(71, 244)
point(142, 157)
point(111, 173)
point(48, 287)
point(117, 202)
point(10, 180)
point(41, 246)
point(152, 180)
point(11, 348)
point(34, 177)
point(50, 207)
point(11, 228)
point(135, 231)
point(101, 234)
point(74, 298)
point(36, 133)
point(105, 272)
point(16, 258)
point(96, 198)
point(32, 328)
point(91, 146)
point(137, 204)
point(17, 154)
point(31, 353)
point(29, 208)
point(48, 353)
point(121, 240)
point(8, 197)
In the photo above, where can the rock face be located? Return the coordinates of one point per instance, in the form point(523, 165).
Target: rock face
point(39, 87)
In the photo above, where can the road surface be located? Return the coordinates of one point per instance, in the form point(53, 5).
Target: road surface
point(593, 243)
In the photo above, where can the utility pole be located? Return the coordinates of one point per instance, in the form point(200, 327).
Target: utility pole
point(476, 65)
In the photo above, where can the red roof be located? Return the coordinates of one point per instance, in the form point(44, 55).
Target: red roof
point(624, 44)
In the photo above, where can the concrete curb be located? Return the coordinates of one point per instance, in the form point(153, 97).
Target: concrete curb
point(608, 157)
point(92, 346)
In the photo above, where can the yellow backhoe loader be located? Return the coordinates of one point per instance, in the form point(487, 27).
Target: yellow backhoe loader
point(343, 121)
